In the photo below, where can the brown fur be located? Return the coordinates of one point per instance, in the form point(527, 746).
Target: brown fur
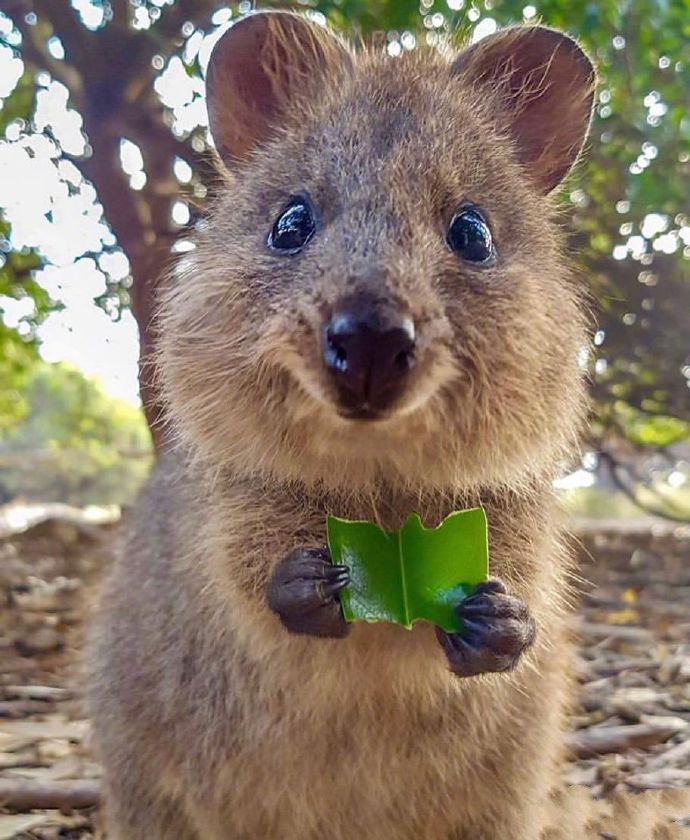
point(215, 723)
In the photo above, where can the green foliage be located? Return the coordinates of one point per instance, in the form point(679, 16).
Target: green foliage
point(627, 205)
point(657, 430)
point(75, 444)
point(18, 353)
point(17, 358)
point(18, 346)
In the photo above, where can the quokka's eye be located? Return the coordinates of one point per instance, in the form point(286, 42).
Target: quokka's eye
point(469, 236)
point(294, 227)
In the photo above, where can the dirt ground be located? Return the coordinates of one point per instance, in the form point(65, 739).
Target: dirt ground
point(629, 733)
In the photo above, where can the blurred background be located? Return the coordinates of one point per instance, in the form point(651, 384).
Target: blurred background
point(104, 173)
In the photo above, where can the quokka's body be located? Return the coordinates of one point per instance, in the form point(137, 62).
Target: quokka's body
point(229, 699)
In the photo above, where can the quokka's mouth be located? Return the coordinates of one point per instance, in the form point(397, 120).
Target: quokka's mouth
point(366, 415)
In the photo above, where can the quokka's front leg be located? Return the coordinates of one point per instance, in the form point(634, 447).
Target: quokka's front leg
point(303, 592)
point(497, 628)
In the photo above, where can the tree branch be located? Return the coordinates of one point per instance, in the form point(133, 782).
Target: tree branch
point(172, 18)
point(78, 41)
point(615, 469)
point(27, 794)
point(121, 12)
point(34, 50)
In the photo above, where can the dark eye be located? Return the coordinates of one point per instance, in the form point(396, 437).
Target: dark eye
point(469, 236)
point(294, 227)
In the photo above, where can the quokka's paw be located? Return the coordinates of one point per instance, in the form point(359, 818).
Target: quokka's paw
point(304, 593)
point(497, 628)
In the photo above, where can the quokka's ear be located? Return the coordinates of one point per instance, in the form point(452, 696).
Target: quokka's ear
point(261, 69)
point(545, 83)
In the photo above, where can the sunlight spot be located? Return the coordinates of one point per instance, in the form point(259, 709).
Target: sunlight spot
point(668, 243)
point(486, 27)
point(183, 171)
point(115, 264)
point(14, 130)
point(182, 246)
point(636, 246)
point(92, 13)
point(142, 18)
point(130, 156)
point(132, 163)
point(653, 224)
point(53, 111)
point(55, 47)
point(180, 213)
point(580, 478)
point(191, 47)
point(318, 17)
point(15, 310)
point(8, 33)
point(221, 16)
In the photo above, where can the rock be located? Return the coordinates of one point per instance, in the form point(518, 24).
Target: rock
point(42, 640)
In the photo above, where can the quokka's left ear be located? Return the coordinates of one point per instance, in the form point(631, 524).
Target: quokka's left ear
point(545, 87)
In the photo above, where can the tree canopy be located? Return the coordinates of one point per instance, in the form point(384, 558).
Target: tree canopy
point(74, 444)
point(128, 76)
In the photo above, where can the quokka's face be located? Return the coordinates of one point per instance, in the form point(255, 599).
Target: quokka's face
point(379, 288)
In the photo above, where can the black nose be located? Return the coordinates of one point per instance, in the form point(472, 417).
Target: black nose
point(368, 358)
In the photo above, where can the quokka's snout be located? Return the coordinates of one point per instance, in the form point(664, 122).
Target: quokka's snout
point(369, 350)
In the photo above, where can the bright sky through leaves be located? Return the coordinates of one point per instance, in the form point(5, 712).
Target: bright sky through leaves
point(55, 211)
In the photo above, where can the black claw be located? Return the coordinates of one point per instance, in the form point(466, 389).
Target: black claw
point(479, 609)
point(338, 573)
point(329, 589)
point(471, 629)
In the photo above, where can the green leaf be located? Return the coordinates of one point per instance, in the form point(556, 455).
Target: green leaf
point(411, 574)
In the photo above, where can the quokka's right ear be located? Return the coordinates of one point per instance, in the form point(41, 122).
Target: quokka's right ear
point(261, 69)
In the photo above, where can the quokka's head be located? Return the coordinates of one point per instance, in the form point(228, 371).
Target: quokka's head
point(379, 290)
